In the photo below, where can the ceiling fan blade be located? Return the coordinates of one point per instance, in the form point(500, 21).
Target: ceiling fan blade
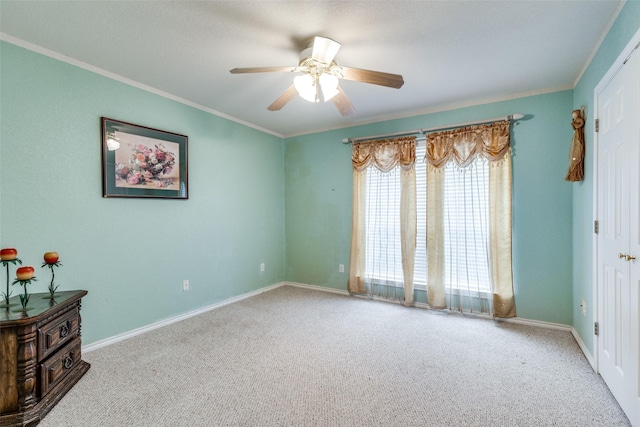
point(324, 49)
point(342, 103)
point(283, 99)
point(374, 77)
point(260, 70)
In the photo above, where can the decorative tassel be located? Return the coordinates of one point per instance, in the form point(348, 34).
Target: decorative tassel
point(576, 155)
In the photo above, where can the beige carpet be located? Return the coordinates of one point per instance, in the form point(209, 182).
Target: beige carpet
point(295, 357)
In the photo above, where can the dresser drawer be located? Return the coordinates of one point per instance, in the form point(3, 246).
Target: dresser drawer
point(54, 369)
point(57, 332)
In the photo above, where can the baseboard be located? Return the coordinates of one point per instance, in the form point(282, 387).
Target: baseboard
point(164, 322)
point(585, 350)
point(316, 288)
point(536, 323)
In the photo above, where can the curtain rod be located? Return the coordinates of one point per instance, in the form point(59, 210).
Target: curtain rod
point(516, 116)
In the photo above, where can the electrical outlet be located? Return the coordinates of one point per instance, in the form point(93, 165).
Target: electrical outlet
point(185, 285)
point(341, 268)
point(262, 266)
point(583, 307)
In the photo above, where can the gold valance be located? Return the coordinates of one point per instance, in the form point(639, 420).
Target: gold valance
point(463, 145)
point(385, 154)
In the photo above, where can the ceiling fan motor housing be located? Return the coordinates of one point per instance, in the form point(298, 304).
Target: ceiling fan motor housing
point(305, 54)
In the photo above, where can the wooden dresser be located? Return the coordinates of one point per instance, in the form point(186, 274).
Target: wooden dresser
point(40, 356)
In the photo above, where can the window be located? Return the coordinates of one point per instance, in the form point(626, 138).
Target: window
point(469, 213)
point(466, 227)
point(383, 262)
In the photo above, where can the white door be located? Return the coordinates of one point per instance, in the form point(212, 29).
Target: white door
point(619, 236)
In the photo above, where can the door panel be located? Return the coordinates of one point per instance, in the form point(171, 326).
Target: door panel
point(619, 240)
point(633, 128)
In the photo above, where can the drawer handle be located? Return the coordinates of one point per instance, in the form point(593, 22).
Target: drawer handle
point(68, 362)
point(64, 330)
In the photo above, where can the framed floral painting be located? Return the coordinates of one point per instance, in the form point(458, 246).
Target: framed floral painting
point(139, 161)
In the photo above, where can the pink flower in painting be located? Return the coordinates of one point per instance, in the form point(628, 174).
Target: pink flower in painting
point(141, 147)
point(159, 184)
point(134, 178)
point(140, 157)
point(160, 155)
point(167, 171)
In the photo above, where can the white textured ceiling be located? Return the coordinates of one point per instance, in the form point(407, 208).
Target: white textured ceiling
point(451, 53)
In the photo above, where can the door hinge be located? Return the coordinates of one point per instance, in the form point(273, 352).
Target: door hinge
point(596, 328)
point(597, 125)
point(596, 226)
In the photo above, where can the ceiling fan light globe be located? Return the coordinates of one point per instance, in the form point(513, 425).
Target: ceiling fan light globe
point(305, 87)
point(329, 86)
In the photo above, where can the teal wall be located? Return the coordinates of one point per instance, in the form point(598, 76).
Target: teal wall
point(623, 30)
point(318, 188)
point(132, 254)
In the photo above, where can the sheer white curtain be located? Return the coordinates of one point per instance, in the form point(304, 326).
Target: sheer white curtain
point(383, 238)
point(466, 237)
point(469, 220)
point(383, 254)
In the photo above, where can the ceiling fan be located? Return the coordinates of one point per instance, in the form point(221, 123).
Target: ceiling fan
point(319, 77)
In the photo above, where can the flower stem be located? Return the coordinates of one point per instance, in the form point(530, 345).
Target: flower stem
point(24, 300)
point(6, 296)
point(53, 275)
